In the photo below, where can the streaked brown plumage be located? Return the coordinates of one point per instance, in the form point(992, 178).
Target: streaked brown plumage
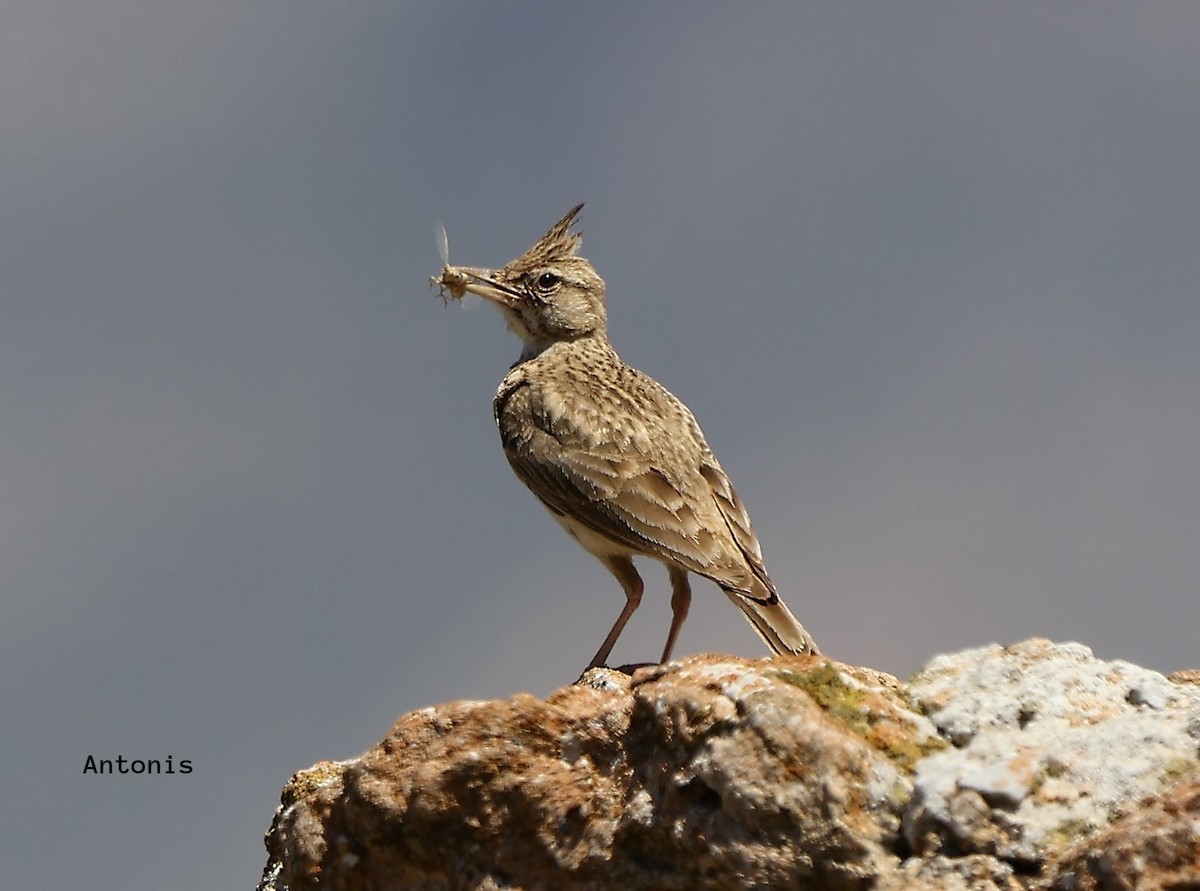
point(617, 459)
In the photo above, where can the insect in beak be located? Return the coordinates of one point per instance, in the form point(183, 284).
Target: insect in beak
point(451, 284)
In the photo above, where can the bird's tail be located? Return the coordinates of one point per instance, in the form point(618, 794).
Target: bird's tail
point(775, 624)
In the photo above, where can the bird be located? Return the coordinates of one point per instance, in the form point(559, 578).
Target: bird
point(617, 459)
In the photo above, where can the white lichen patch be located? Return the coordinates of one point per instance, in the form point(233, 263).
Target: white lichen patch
point(1047, 736)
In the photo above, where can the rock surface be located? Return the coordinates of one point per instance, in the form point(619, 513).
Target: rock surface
point(1155, 847)
point(1036, 765)
point(1048, 743)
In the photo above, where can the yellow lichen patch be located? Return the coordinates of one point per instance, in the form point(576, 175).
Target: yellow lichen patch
point(877, 715)
point(830, 690)
point(1068, 832)
point(1176, 768)
point(901, 746)
point(304, 782)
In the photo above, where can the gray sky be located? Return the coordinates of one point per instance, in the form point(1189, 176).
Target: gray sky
point(927, 274)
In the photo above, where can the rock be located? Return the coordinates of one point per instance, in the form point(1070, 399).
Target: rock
point(711, 772)
point(973, 872)
point(1153, 848)
point(1049, 742)
point(993, 769)
point(1186, 676)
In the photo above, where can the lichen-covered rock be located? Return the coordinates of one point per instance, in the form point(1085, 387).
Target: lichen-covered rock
point(1036, 766)
point(712, 772)
point(973, 872)
point(1155, 847)
point(1049, 743)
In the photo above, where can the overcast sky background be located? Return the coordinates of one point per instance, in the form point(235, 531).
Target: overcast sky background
point(928, 274)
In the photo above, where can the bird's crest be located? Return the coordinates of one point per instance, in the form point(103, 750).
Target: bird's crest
point(557, 244)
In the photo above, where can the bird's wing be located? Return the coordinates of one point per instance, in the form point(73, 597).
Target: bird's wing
point(649, 484)
point(737, 521)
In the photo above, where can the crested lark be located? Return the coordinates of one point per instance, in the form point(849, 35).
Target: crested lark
point(618, 460)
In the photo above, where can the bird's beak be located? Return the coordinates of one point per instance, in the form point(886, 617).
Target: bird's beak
point(484, 282)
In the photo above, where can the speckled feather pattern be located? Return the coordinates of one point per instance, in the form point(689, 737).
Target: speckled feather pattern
point(603, 443)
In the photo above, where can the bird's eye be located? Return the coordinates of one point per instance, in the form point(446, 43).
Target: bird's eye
point(547, 281)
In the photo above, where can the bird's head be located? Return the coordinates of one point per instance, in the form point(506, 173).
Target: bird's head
point(548, 294)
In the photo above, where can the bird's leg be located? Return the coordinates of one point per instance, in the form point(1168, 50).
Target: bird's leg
point(631, 582)
point(681, 599)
